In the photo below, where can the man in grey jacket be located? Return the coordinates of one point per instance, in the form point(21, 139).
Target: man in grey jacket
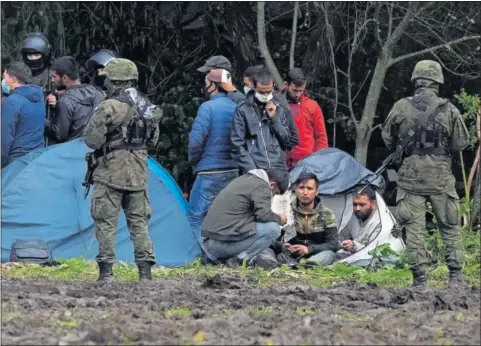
point(260, 132)
point(240, 223)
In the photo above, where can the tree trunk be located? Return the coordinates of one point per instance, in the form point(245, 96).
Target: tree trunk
point(363, 133)
point(261, 34)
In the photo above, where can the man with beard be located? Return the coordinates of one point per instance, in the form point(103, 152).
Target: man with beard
point(307, 116)
point(260, 131)
point(365, 208)
point(74, 107)
point(96, 65)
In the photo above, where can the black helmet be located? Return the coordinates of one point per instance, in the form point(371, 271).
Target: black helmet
point(36, 42)
point(100, 59)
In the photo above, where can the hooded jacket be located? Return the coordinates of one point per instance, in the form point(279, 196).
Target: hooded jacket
point(259, 141)
point(312, 130)
point(237, 208)
point(23, 119)
point(72, 113)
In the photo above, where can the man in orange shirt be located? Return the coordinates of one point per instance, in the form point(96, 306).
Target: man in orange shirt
point(308, 118)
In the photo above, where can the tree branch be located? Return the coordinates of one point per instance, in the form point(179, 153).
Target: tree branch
point(294, 35)
point(393, 39)
point(376, 28)
point(432, 49)
point(261, 35)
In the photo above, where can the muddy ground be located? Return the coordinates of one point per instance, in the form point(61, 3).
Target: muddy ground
point(228, 310)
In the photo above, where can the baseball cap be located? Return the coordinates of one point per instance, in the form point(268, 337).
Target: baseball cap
point(223, 77)
point(216, 62)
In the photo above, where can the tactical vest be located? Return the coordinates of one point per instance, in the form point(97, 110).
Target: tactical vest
point(136, 128)
point(432, 138)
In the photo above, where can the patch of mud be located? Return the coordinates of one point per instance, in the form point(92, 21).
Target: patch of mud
point(227, 310)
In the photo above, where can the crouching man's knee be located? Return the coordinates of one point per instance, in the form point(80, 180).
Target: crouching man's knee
point(269, 230)
point(323, 258)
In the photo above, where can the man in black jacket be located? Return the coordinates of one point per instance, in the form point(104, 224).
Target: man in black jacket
point(240, 223)
point(260, 132)
point(74, 108)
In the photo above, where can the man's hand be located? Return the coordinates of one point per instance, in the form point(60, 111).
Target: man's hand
point(283, 219)
point(347, 245)
point(271, 109)
point(52, 100)
point(300, 249)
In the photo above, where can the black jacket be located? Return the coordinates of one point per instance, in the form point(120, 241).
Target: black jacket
point(72, 113)
point(259, 141)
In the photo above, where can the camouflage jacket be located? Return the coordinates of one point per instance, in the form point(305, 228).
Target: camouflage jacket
point(426, 174)
point(315, 228)
point(121, 169)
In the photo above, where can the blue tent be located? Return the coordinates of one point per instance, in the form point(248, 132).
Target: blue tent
point(43, 198)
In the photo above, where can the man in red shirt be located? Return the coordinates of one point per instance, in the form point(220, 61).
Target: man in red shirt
point(308, 118)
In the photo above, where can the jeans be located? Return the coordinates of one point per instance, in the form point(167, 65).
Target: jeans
point(266, 234)
point(205, 190)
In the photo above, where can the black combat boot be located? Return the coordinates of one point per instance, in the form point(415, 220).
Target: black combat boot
point(145, 272)
point(105, 272)
point(419, 279)
point(455, 278)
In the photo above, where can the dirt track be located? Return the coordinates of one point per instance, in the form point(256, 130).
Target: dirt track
point(228, 311)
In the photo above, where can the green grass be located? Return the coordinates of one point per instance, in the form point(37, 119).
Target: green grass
point(390, 276)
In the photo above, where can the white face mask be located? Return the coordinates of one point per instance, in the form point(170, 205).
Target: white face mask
point(246, 90)
point(264, 98)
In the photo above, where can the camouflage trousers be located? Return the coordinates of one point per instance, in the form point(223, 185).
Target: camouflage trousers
point(411, 213)
point(106, 205)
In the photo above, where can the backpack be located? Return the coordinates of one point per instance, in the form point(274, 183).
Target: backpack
point(31, 251)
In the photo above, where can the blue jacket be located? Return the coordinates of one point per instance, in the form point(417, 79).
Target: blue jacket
point(23, 121)
point(209, 141)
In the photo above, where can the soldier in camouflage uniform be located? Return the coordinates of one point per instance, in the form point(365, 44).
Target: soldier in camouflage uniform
point(120, 130)
point(425, 173)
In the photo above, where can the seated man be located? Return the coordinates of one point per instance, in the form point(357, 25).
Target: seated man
point(240, 223)
point(314, 235)
point(365, 208)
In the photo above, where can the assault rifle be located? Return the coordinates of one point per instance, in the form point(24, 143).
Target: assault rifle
point(92, 163)
point(405, 144)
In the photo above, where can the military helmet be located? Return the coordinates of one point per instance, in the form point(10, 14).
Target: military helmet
point(428, 69)
point(36, 42)
point(121, 69)
point(100, 59)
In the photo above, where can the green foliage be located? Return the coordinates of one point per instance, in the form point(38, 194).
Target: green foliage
point(469, 105)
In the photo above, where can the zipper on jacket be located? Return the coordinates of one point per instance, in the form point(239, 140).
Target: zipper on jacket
point(251, 146)
point(265, 146)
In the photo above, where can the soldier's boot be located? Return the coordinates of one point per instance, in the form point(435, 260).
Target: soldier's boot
point(455, 278)
point(105, 272)
point(420, 281)
point(145, 271)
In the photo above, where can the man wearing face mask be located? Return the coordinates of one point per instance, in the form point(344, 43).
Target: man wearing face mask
point(36, 54)
point(96, 65)
point(210, 147)
point(74, 107)
point(221, 62)
point(23, 113)
point(260, 131)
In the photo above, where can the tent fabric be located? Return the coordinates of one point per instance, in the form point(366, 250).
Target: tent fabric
point(339, 174)
point(43, 198)
point(337, 171)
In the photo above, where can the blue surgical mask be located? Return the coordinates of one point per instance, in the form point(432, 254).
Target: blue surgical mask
point(5, 87)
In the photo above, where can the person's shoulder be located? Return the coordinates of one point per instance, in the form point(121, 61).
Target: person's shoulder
point(329, 216)
point(111, 107)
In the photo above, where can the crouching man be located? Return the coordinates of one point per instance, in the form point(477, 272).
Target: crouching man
point(314, 235)
point(365, 208)
point(240, 223)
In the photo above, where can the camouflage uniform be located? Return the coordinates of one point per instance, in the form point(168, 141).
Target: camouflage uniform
point(120, 179)
point(425, 174)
